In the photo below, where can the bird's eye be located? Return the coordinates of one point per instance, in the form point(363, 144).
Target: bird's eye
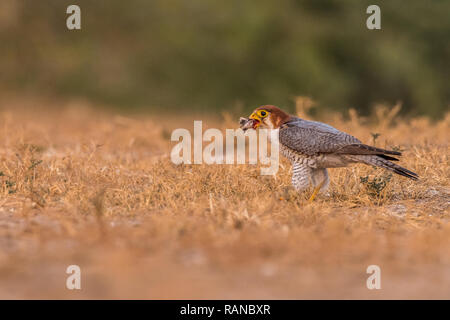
point(262, 113)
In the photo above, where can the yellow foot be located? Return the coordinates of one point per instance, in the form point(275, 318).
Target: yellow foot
point(315, 192)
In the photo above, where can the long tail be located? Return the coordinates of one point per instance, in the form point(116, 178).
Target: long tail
point(379, 161)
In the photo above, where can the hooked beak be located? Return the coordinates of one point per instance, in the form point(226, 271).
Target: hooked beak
point(257, 119)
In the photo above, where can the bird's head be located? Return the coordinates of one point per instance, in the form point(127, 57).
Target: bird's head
point(269, 117)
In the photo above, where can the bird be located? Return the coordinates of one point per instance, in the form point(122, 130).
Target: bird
point(312, 147)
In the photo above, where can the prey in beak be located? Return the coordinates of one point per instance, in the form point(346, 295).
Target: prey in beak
point(249, 123)
point(254, 121)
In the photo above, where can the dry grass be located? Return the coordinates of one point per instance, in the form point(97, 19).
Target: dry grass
point(98, 190)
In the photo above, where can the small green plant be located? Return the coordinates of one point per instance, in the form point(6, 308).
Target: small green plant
point(10, 186)
point(375, 137)
point(376, 185)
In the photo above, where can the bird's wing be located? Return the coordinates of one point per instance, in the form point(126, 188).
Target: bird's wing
point(311, 138)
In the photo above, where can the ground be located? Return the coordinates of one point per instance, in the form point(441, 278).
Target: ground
point(97, 189)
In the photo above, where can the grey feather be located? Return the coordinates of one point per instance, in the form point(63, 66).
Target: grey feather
point(312, 138)
point(386, 164)
point(360, 148)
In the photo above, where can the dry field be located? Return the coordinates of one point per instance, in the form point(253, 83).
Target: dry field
point(98, 190)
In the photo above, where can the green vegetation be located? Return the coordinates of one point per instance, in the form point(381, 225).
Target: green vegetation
point(201, 54)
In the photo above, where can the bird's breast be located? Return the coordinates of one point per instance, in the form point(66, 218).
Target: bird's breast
point(320, 160)
point(294, 156)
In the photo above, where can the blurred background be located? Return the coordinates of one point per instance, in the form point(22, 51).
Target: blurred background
point(180, 55)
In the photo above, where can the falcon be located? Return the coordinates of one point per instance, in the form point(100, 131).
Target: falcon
point(313, 146)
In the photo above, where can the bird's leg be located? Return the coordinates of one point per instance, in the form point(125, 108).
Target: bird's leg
point(316, 191)
point(319, 174)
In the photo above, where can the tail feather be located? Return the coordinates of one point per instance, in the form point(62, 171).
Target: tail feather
point(360, 148)
point(386, 157)
point(386, 164)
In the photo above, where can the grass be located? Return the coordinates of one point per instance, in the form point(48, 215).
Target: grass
point(99, 190)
